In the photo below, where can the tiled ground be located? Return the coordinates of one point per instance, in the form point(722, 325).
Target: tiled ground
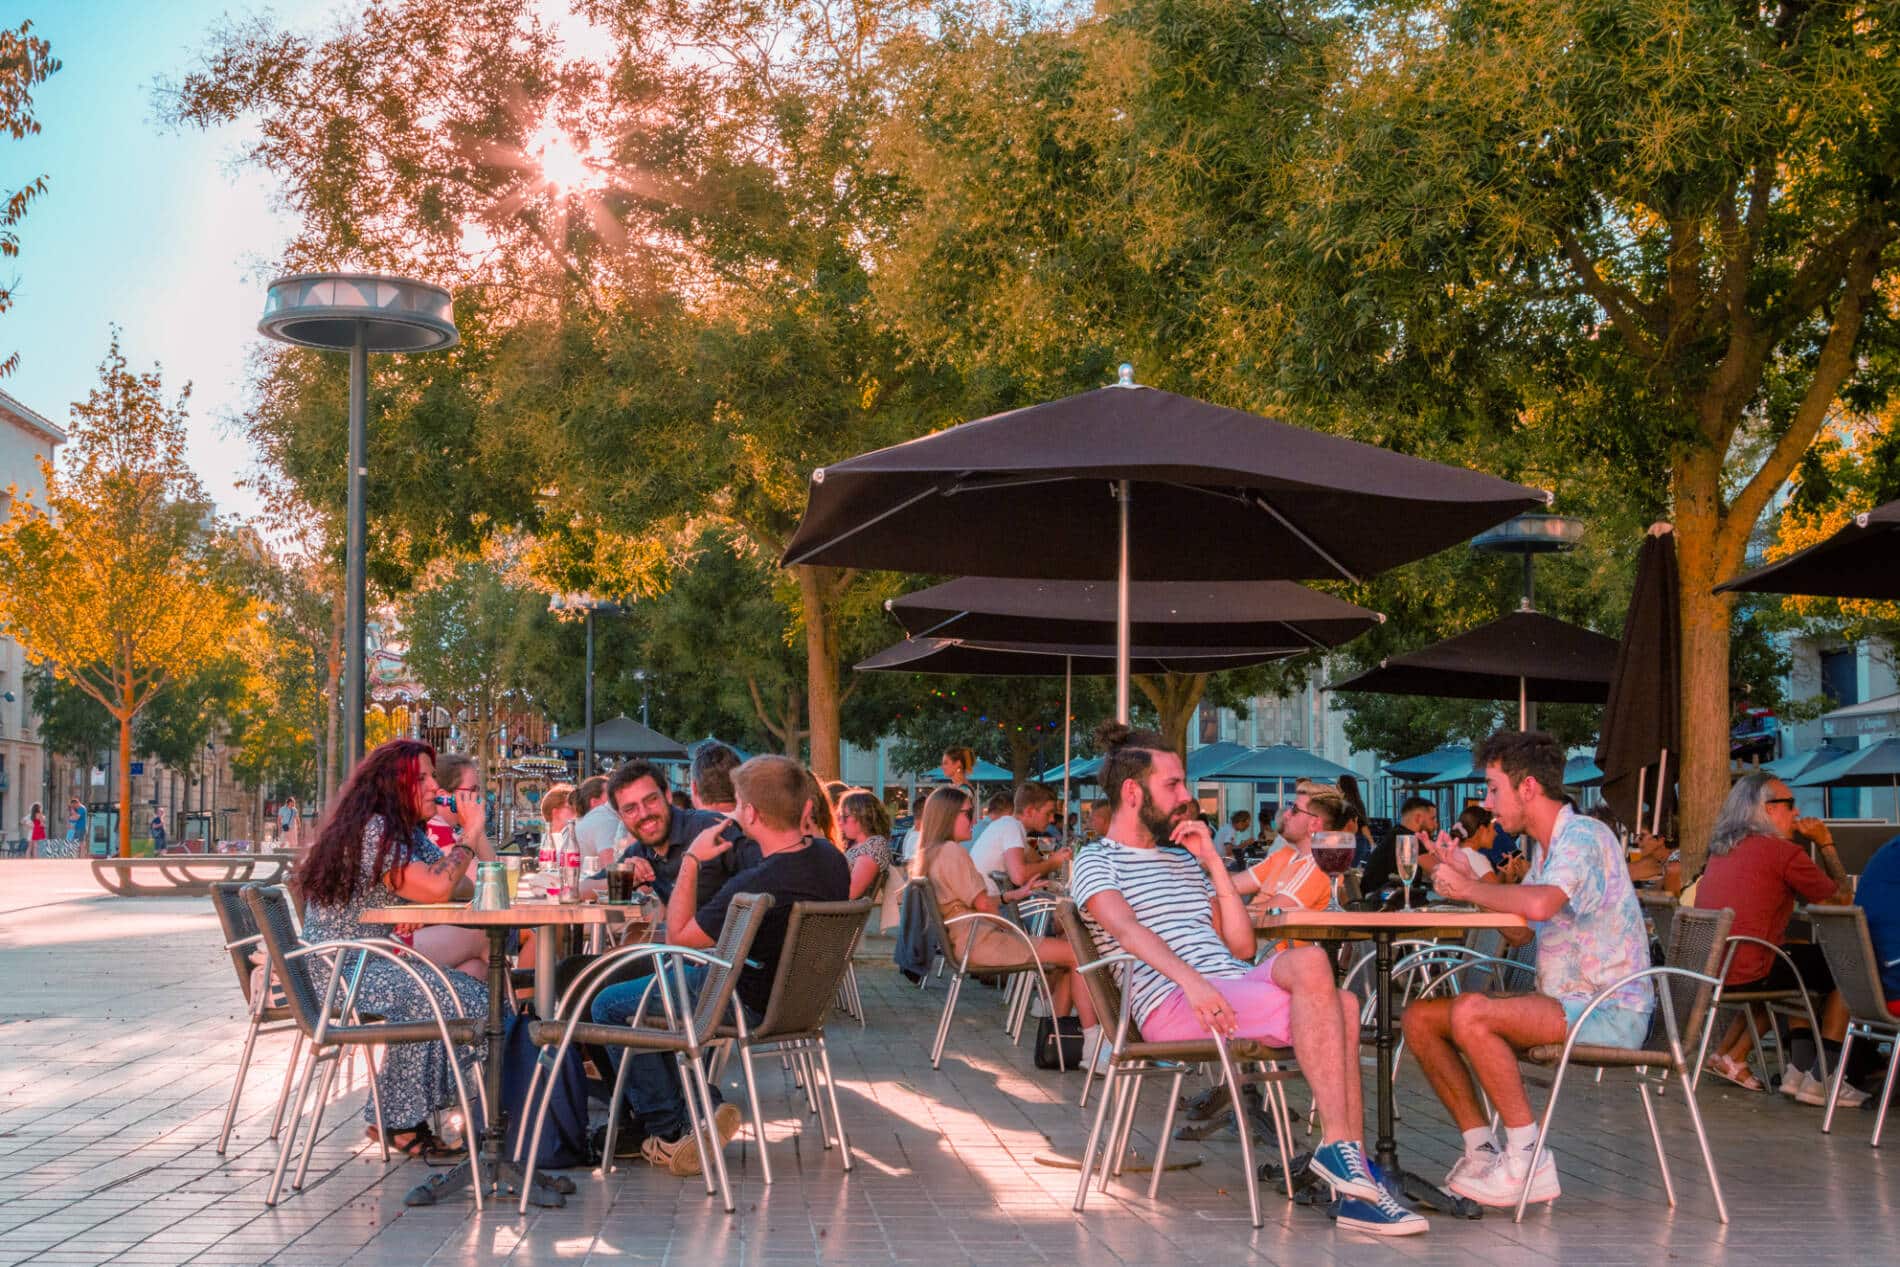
point(119, 1023)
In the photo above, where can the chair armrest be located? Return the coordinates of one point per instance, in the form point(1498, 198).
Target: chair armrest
point(624, 954)
point(1669, 1017)
point(337, 949)
point(441, 973)
point(1015, 930)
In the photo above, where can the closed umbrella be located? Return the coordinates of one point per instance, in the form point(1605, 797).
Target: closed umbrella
point(1128, 483)
point(1862, 560)
point(1525, 656)
point(1642, 722)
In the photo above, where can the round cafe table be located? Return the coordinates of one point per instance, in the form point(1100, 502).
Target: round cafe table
point(1382, 929)
point(501, 1176)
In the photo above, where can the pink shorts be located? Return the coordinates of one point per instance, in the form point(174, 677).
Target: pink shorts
point(1262, 1010)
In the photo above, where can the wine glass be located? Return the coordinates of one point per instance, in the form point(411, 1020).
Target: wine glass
point(1332, 854)
point(1406, 847)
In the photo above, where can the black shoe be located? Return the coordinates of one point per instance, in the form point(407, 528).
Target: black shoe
point(626, 1144)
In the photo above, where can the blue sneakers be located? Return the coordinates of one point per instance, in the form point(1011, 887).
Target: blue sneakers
point(1343, 1166)
point(1383, 1217)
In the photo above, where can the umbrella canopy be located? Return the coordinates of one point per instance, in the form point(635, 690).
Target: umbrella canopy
point(693, 748)
point(1862, 560)
point(1643, 718)
point(1026, 659)
point(985, 771)
point(1161, 613)
point(1582, 772)
point(1151, 485)
point(622, 737)
point(1416, 770)
point(1081, 770)
point(1213, 756)
point(1525, 654)
point(1877, 765)
point(1275, 763)
point(1466, 771)
point(1795, 764)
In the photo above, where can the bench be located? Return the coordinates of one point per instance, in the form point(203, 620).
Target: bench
point(188, 875)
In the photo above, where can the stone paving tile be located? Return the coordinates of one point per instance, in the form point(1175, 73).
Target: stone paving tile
point(121, 1024)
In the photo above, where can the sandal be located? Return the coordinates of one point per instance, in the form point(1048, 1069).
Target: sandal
point(414, 1142)
point(1732, 1070)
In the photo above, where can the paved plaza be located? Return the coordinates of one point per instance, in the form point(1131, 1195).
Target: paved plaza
point(120, 1024)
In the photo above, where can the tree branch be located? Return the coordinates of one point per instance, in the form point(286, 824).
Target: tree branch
point(1627, 312)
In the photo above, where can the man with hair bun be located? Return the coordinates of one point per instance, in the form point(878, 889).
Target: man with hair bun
point(1157, 888)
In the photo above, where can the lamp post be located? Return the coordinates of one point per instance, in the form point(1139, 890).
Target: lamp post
point(1530, 536)
point(359, 313)
point(587, 604)
point(640, 676)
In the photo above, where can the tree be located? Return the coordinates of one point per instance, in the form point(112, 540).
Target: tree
point(471, 635)
point(118, 585)
point(26, 61)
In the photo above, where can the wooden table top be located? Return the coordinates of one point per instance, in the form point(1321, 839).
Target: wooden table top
point(1360, 925)
point(519, 915)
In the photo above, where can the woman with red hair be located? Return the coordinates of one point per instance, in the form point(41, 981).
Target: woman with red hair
point(374, 851)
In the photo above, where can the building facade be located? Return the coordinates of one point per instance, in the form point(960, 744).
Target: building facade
point(26, 438)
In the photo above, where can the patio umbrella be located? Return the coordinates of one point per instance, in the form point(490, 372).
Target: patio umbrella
point(1277, 764)
point(693, 748)
point(1877, 765)
point(622, 737)
point(1862, 560)
point(1642, 722)
point(1795, 764)
point(1081, 770)
point(984, 771)
point(1025, 659)
point(1213, 756)
point(1161, 613)
point(1416, 770)
point(1128, 483)
point(1582, 772)
point(1525, 656)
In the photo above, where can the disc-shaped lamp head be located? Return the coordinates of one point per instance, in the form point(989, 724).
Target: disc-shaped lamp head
point(323, 310)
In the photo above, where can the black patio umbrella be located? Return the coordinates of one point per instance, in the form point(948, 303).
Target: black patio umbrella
point(1147, 485)
point(1161, 613)
point(1862, 560)
point(1526, 656)
point(623, 737)
point(1642, 722)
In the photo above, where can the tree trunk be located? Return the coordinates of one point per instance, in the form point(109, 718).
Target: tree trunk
point(815, 589)
point(1175, 697)
point(1702, 767)
point(792, 727)
point(1022, 750)
point(125, 784)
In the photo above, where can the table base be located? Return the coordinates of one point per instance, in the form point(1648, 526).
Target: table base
point(549, 1191)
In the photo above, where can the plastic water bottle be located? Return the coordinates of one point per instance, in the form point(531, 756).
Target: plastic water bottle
point(571, 871)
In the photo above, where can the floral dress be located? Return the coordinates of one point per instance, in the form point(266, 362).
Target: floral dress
point(414, 1080)
point(876, 848)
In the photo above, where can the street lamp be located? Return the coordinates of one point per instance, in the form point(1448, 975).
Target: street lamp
point(640, 676)
point(589, 604)
point(359, 313)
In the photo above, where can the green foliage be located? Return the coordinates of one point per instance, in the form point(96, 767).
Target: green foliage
point(71, 722)
point(26, 61)
point(190, 711)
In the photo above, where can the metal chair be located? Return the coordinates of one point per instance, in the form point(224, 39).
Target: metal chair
point(317, 1014)
point(1844, 940)
point(1132, 1061)
point(817, 953)
point(941, 927)
point(687, 1033)
point(1659, 909)
point(263, 999)
point(1791, 1003)
point(1698, 941)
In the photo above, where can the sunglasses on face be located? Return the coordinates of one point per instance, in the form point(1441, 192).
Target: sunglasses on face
point(1780, 800)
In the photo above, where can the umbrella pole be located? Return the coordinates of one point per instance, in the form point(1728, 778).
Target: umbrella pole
point(1523, 696)
point(1068, 691)
point(1121, 607)
point(1662, 771)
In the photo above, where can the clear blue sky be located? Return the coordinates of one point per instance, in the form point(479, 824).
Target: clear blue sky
point(153, 229)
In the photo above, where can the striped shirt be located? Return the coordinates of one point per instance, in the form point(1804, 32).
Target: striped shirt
point(1170, 895)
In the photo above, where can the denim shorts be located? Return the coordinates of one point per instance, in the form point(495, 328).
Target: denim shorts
point(1608, 1026)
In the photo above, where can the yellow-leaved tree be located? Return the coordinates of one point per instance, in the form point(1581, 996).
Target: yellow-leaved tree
point(118, 583)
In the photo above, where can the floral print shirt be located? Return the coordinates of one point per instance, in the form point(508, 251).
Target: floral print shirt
point(1598, 937)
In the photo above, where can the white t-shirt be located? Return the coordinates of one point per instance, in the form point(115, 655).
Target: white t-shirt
point(988, 853)
point(1225, 837)
point(1170, 894)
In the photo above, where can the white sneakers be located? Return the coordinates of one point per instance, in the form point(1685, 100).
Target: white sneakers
point(1804, 1088)
point(1498, 1179)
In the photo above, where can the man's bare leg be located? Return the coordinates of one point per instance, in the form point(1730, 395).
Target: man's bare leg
point(1427, 1025)
point(1490, 1030)
point(1323, 1042)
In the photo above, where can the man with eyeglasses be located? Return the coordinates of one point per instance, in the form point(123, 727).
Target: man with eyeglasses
point(661, 832)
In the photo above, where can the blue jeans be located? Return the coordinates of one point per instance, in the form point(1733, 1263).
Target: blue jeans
point(653, 1087)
